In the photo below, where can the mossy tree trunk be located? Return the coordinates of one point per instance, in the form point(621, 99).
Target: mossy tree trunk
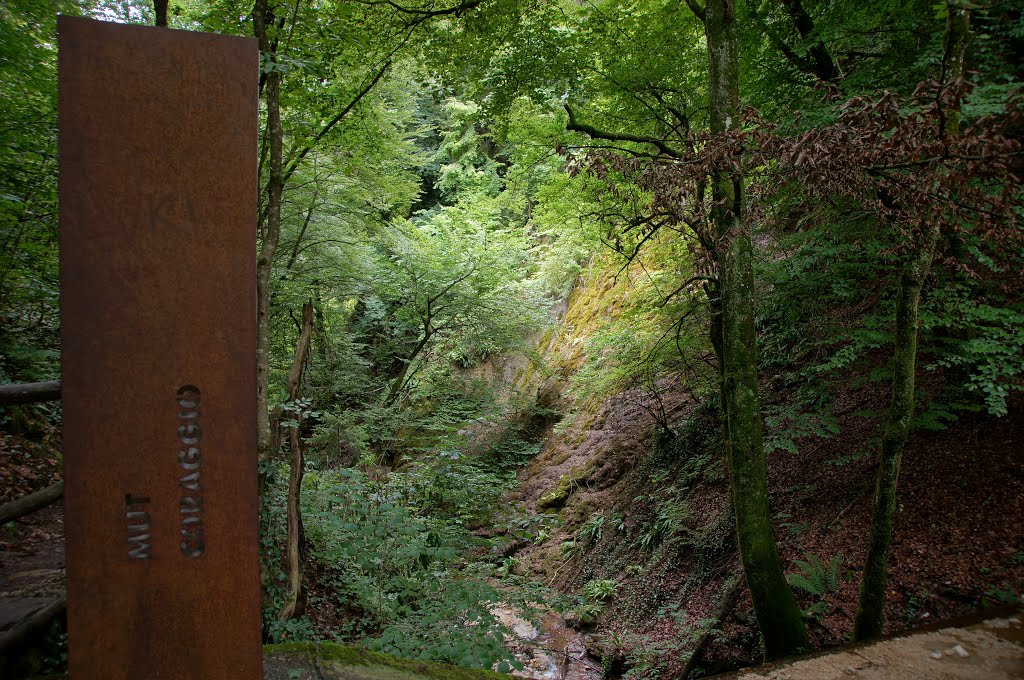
point(778, 616)
point(871, 605)
point(270, 225)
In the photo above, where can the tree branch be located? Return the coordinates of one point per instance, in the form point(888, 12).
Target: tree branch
point(594, 133)
point(824, 67)
point(697, 9)
point(803, 65)
point(293, 164)
point(302, 232)
point(426, 13)
point(31, 503)
point(31, 627)
point(457, 281)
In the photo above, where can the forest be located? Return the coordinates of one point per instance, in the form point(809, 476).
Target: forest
point(598, 338)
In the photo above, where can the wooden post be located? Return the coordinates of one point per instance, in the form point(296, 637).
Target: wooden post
point(157, 234)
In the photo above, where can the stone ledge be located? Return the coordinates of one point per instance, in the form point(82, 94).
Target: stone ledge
point(328, 661)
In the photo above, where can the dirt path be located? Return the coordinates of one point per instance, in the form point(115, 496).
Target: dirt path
point(32, 556)
point(989, 650)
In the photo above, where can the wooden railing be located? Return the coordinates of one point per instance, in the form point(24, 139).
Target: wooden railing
point(29, 628)
point(30, 393)
point(27, 393)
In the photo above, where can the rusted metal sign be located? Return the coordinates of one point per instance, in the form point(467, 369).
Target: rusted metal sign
point(158, 326)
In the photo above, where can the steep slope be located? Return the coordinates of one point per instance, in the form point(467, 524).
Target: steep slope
point(641, 529)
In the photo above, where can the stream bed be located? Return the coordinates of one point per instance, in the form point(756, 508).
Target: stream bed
point(552, 652)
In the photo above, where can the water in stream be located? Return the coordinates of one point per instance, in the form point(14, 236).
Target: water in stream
point(554, 652)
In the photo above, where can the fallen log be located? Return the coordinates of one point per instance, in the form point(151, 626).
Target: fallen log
point(28, 393)
point(30, 503)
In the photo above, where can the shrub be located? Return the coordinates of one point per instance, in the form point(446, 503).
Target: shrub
point(601, 589)
point(395, 568)
point(450, 623)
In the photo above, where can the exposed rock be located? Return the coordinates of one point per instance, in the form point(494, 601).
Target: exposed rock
point(557, 497)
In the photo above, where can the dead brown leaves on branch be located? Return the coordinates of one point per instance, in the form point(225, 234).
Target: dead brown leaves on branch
point(896, 157)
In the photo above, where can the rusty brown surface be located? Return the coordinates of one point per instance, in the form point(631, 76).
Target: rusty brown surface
point(158, 134)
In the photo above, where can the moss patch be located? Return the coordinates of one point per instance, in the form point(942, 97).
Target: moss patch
point(557, 497)
point(313, 661)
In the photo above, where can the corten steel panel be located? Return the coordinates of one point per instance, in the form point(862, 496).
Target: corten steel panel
point(157, 239)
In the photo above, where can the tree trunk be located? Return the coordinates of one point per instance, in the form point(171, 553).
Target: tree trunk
point(725, 607)
point(160, 11)
point(398, 383)
point(871, 605)
point(296, 589)
point(271, 232)
point(777, 613)
point(778, 616)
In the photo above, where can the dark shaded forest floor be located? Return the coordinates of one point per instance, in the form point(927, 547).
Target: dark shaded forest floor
point(32, 548)
point(958, 537)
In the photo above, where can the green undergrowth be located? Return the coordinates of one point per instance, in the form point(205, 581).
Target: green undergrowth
point(394, 556)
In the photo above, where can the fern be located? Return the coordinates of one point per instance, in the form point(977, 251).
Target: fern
point(592, 531)
point(816, 577)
